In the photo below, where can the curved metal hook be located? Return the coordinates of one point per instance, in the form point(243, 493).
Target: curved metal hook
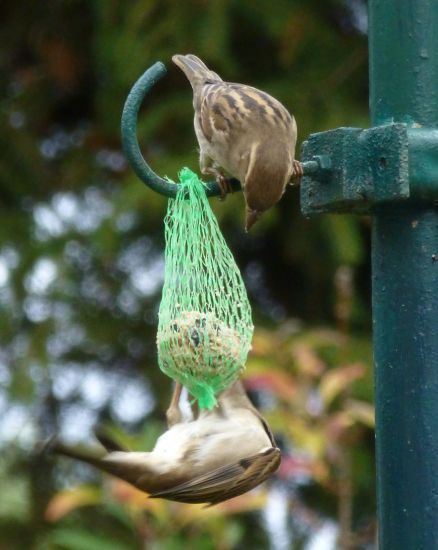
point(130, 141)
point(132, 149)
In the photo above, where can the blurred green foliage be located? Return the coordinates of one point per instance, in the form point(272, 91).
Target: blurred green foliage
point(81, 245)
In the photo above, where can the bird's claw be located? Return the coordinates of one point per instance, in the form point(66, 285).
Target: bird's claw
point(224, 185)
point(173, 413)
point(297, 172)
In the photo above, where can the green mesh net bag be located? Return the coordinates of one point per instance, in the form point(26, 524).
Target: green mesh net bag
point(204, 322)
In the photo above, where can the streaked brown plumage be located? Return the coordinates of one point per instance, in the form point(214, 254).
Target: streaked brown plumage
point(244, 133)
point(215, 456)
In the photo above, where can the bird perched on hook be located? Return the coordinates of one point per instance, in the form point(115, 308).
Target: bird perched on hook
point(244, 133)
point(215, 456)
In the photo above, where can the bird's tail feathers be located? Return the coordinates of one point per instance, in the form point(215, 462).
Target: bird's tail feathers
point(126, 466)
point(91, 456)
point(195, 69)
point(107, 441)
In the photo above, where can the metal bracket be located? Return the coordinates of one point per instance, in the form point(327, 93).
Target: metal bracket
point(367, 167)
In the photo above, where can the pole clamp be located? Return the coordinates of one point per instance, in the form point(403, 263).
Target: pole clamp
point(360, 168)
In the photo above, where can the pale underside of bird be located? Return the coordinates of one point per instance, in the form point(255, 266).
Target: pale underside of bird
point(243, 133)
point(209, 458)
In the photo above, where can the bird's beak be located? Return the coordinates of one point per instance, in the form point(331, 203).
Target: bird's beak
point(251, 217)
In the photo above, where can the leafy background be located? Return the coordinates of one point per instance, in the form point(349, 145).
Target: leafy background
point(81, 271)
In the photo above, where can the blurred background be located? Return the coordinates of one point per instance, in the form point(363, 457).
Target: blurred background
point(81, 272)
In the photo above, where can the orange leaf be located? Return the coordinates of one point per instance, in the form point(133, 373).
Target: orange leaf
point(335, 381)
point(261, 343)
point(128, 495)
point(361, 412)
point(308, 361)
point(279, 383)
point(67, 500)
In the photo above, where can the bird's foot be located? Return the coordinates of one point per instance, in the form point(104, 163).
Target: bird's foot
point(297, 172)
point(173, 413)
point(224, 185)
point(173, 416)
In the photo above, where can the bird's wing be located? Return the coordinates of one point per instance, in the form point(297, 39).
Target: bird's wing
point(266, 427)
point(227, 481)
point(214, 112)
point(230, 108)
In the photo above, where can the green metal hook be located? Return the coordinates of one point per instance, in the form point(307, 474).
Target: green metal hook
point(130, 141)
point(132, 149)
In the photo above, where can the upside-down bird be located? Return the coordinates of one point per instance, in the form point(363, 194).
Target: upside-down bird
point(210, 458)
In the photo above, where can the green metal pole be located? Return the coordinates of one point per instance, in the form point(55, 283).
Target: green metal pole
point(403, 48)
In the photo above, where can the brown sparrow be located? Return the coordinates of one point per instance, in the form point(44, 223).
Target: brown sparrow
point(215, 456)
point(243, 132)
